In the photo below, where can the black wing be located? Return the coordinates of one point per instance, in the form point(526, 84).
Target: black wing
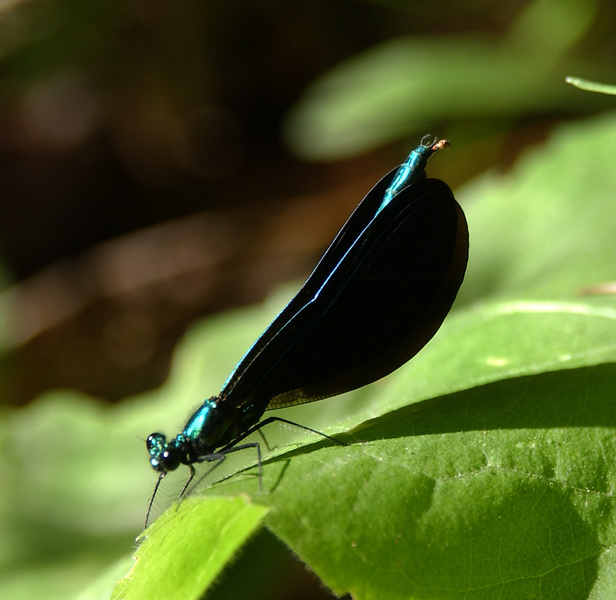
point(355, 224)
point(378, 295)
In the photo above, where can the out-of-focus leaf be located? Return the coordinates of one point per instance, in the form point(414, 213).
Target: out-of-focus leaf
point(405, 85)
point(592, 86)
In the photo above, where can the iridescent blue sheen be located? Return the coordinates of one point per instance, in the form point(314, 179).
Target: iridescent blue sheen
point(412, 168)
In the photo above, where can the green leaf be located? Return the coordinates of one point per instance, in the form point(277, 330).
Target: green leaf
point(405, 85)
point(503, 491)
point(592, 86)
point(184, 551)
point(545, 229)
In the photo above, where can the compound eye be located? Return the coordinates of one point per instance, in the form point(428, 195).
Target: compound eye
point(163, 457)
point(170, 459)
point(156, 441)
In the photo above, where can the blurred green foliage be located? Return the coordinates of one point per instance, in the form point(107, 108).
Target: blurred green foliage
point(592, 86)
point(406, 84)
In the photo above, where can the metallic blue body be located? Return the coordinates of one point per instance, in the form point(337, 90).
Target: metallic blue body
point(408, 173)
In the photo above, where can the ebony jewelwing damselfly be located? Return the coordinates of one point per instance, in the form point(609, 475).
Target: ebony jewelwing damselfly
point(377, 296)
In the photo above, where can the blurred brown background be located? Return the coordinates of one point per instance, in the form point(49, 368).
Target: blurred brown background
point(149, 175)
